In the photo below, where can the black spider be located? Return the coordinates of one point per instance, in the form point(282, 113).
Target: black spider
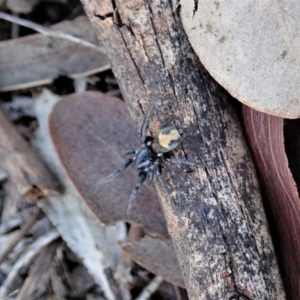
point(147, 159)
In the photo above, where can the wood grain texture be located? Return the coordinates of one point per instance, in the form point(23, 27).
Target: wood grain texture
point(214, 213)
point(265, 133)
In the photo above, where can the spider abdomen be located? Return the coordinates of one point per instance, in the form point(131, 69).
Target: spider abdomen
point(167, 139)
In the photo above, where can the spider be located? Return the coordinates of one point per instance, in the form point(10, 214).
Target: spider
point(147, 159)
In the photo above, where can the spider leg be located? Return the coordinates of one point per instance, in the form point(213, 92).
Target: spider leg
point(122, 168)
point(140, 181)
point(145, 124)
point(159, 176)
point(150, 174)
point(129, 151)
point(183, 161)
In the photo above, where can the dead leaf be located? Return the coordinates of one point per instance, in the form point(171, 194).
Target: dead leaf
point(76, 225)
point(157, 256)
point(251, 48)
point(265, 133)
point(89, 131)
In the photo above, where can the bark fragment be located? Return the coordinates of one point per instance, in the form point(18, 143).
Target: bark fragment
point(25, 168)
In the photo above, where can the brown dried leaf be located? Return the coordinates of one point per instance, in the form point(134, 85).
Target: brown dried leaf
point(157, 256)
point(265, 133)
point(89, 131)
point(79, 229)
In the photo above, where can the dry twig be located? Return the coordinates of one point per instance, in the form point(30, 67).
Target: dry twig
point(39, 273)
point(150, 288)
point(47, 31)
point(11, 223)
point(26, 258)
point(20, 235)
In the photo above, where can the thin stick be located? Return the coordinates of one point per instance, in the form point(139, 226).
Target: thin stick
point(22, 232)
point(47, 31)
point(150, 288)
point(145, 123)
point(10, 295)
point(10, 223)
point(26, 258)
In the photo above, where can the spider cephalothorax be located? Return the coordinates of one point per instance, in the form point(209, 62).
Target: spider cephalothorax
point(147, 159)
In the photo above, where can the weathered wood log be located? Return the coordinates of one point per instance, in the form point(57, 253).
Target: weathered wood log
point(214, 212)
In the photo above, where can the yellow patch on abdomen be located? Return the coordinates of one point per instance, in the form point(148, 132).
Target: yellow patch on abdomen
point(166, 139)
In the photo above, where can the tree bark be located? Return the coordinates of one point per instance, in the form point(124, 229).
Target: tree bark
point(214, 212)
